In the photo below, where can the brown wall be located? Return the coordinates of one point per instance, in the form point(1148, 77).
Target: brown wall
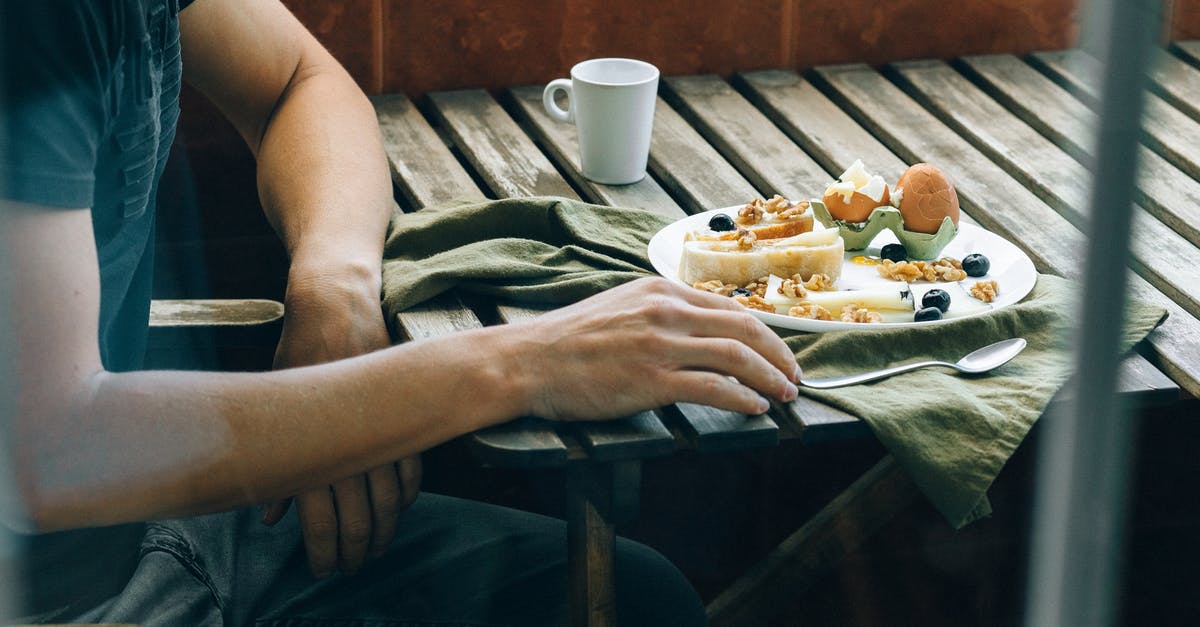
point(415, 46)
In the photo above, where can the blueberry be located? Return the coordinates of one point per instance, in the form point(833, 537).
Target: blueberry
point(894, 252)
point(927, 314)
point(976, 265)
point(936, 298)
point(721, 222)
point(741, 291)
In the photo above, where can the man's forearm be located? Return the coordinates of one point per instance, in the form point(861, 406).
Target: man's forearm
point(145, 445)
point(323, 176)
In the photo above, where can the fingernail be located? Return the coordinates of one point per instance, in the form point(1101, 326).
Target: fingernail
point(790, 392)
point(799, 373)
point(763, 406)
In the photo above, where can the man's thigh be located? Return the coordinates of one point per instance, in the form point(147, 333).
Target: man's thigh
point(452, 562)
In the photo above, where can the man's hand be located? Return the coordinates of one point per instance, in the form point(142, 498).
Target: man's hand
point(354, 518)
point(648, 344)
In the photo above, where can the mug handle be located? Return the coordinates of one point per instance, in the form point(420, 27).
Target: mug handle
point(552, 108)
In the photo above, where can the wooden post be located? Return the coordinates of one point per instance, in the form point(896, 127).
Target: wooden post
point(598, 497)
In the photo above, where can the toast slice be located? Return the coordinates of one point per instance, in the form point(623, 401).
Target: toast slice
point(740, 262)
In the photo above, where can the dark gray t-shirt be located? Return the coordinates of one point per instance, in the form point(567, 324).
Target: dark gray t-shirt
point(89, 97)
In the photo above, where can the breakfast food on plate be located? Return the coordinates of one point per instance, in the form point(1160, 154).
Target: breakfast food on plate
point(944, 269)
point(767, 256)
point(925, 197)
point(855, 194)
point(766, 219)
point(976, 265)
point(742, 257)
point(985, 291)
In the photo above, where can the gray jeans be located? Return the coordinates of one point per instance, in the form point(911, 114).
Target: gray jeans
point(454, 562)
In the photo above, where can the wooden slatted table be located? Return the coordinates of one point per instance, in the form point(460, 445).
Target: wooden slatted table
point(1012, 133)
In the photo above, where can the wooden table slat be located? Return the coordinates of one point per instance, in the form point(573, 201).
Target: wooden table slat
point(437, 176)
point(1177, 83)
point(1163, 189)
point(1189, 51)
point(1000, 203)
point(746, 138)
point(710, 429)
point(692, 170)
point(504, 156)
point(433, 178)
point(1167, 130)
point(639, 436)
point(1163, 257)
point(562, 144)
point(817, 124)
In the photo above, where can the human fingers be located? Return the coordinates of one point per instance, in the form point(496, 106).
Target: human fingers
point(353, 522)
point(734, 359)
point(411, 472)
point(319, 528)
point(386, 493)
point(750, 331)
point(713, 389)
point(274, 512)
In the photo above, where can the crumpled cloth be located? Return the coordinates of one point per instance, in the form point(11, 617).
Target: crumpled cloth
point(951, 433)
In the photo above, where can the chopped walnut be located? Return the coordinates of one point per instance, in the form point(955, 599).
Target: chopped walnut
point(854, 313)
point(809, 310)
point(746, 239)
point(819, 283)
point(776, 204)
point(758, 287)
point(752, 212)
point(716, 287)
point(944, 269)
point(899, 270)
point(755, 302)
point(985, 291)
point(794, 211)
point(793, 287)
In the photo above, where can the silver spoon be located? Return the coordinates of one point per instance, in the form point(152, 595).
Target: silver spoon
point(978, 361)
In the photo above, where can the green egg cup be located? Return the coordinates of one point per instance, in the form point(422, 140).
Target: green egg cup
point(858, 235)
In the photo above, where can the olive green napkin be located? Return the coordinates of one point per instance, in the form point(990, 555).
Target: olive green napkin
point(951, 433)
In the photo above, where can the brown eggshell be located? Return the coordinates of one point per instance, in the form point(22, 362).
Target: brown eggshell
point(859, 207)
point(926, 197)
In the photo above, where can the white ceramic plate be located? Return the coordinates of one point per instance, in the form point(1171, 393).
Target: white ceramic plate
point(1010, 267)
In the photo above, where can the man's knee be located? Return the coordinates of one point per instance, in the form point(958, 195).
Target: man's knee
point(652, 591)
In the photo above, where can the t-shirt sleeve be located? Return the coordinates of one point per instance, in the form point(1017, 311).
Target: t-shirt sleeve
point(55, 76)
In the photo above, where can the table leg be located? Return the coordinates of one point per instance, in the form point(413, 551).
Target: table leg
point(816, 548)
point(598, 497)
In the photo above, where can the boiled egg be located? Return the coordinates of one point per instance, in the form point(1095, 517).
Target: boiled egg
point(925, 197)
point(855, 194)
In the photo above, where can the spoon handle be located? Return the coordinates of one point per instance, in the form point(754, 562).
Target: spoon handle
point(863, 377)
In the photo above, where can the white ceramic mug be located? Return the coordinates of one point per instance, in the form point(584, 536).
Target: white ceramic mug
point(611, 103)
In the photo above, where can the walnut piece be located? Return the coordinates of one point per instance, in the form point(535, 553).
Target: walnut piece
point(752, 212)
point(716, 287)
point(793, 287)
point(854, 313)
point(985, 290)
point(819, 283)
point(810, 310)
point(944, 269)
point(794, 211)
point(776, 204)
point(746, 239)
point(758, 286)
point(755, 302)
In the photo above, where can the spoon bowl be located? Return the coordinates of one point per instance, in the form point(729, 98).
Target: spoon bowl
point(977, 361)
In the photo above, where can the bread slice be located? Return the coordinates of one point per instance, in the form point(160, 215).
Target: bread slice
point(771, 221)
point(814, 252)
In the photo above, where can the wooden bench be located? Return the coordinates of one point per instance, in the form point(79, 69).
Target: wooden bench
point(1006, 130)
